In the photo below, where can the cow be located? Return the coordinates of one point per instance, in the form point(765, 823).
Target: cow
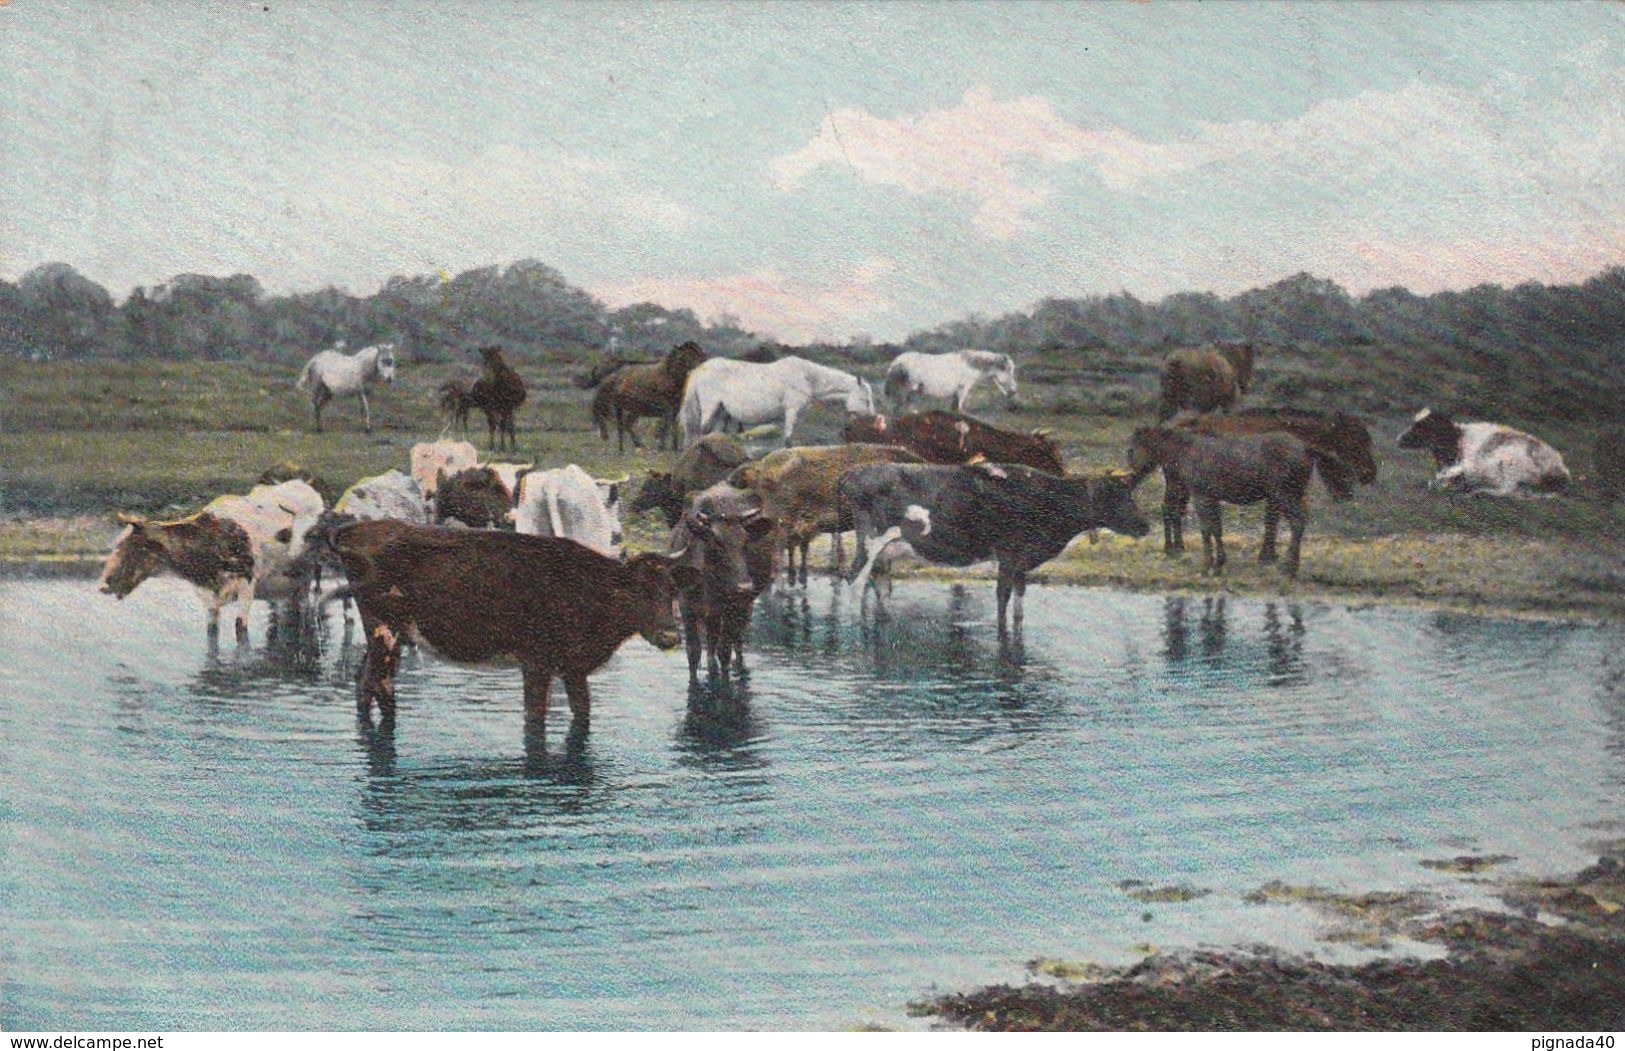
point(703, 464)
point(798, 491)
point(1205, 379)
point(392, 495)
point(477, 596)
point(1013, 514)
point(432, 459)
point(568, 502)
point(234, 550)
point(287, 471)
point(474, 497)
point(728, 542)
point(949, 438)
point(1486, 458)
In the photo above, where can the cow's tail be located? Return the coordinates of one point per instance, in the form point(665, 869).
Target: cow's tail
point(305, 374)
point(693, 415)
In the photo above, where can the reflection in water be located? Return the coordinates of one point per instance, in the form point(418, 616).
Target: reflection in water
point(1211, 628)
point(1284, 645)
point(1175, 635)
point(1282, 662)
point(295, 645)
point(721, 729)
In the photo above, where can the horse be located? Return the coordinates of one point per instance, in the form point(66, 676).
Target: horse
point(952, 375)
point(331, 373)
point(1205, 379)
point(456, 401)
point(632, 391)
point(1341, 444)
point(1237, 469)
point(752, 394)
point(498, 393)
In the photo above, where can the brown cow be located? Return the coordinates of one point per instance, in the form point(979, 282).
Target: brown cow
point(703, 464)
point(1205, 379)
point(799, 490)
point(632, 392)
point(950, 438)
point(475, 596)
point(727, 540)
point(476, 497)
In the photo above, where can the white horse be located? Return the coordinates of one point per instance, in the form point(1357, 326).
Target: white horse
point(751, 394)
point(331, 373)
point(950, 375)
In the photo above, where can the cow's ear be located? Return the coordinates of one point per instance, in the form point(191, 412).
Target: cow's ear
point(759, 526)
point(284, 535)
point(685, 576)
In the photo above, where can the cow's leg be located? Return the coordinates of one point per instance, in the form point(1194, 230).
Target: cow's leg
point(378, 668)
point(245, 597)
point(575, 688)
point(538, 692)
point(1020, 612)
point(1297, 513)
point(1272, 526)
point(1005, 586)
point(713, 635)
point(872, 551)
point(366, 411)
point(691, 637)
point(806, 548)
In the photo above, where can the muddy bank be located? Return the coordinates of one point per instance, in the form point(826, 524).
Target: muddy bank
point(1556, 961)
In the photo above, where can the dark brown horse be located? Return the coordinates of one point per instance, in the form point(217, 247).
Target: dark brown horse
point(1232, 469)
point(1205, 379)
point(1340, 443)
point(631, 392)
point(498, 393)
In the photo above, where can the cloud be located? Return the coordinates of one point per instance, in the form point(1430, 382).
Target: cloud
point(768, 302)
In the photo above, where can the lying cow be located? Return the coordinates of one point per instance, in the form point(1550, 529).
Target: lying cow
point(798, 491)
point(727, 540)
point(956, 516)
point(568, 502)
point(475, 596)
point(1486, 458)
point(948, 437)
point(703, 464)
point(432, 459)
point(234, 550)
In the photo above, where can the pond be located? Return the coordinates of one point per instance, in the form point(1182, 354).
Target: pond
point(202, 837)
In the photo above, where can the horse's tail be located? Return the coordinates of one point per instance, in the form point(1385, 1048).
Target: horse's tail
point(305, 374)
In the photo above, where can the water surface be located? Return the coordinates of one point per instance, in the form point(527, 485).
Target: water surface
point(205, 838)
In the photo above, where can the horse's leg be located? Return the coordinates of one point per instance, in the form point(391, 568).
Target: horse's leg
point(1210, 518)
point(791, 411)
point(366, 410)
point(319, 397)
point(1297, 513)
point(1272, 525)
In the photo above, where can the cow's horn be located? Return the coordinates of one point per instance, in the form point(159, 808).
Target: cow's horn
point(1041, 432)
point(978, 458)
point(125, 518)
point(672, 556)
point(613, 481)
point(752, 513)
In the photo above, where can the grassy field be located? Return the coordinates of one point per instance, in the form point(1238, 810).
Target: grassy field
point(79, 442)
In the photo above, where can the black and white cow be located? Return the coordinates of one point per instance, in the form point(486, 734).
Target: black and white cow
point(958, 515)
point(1486, 458)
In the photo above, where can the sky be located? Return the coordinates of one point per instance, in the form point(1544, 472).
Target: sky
point(818, 171)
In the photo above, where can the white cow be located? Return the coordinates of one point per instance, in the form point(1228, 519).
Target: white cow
point(509, 475)
point(388, 495)
point(569, 502)
point(429, 459)
point(1486, 458)
point(953, 376)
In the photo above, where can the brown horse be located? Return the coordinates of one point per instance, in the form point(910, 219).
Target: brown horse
point(1340, 443)
point(1205, 379)
point(632, 392)
point(498, 393)
point(1236, 469)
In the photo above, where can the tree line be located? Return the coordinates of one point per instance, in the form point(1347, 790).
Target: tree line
point(1553, 347)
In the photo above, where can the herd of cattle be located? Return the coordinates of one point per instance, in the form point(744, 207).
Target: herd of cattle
point(485, 561)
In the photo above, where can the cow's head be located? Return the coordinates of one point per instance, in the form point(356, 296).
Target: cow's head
point(610, 490)
point(731, 542)
point(140, 551)
point(475, 497)
point(1047, 452)
point(870, 429)
point(653, 582)
point(1430, 430)
point(659, 493)
point(313, 548)
point(1112, 496)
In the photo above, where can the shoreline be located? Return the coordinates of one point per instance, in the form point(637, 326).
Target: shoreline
point(1553, 959)
point(1482, 576)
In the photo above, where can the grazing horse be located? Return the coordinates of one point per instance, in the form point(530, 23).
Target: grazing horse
point(1205, 379)
point(752, 394)
point(952, 375)
point(1341, 444)
point(456, 401)
point(1234, 469)
point(498, 393)
point(632, 391)
point(331, 373)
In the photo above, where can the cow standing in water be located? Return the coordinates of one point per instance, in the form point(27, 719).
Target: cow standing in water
point(331, 373)
point(1486, 458)
point(476, 596)
point(728, 543)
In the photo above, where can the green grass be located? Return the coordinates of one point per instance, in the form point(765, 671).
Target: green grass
point(78, 442)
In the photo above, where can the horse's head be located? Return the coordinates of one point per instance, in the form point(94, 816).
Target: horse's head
point(384, 362)
point(1148, 449)
point(1004, 376)
point(861, 397)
